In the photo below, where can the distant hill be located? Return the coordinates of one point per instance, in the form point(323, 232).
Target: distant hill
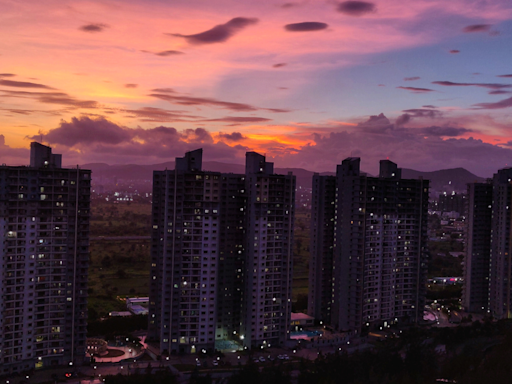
point(458, 177)
point(445, 179)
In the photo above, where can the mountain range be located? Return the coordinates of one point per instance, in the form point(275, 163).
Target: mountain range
point(445, 179)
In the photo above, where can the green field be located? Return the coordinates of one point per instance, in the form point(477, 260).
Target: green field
point(120, 268)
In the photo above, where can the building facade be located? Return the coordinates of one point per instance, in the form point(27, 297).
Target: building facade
point(221, 256)
point(379, 251)
point(322, 247)
point(488, 262)
point(475, 293)
point(44, 256)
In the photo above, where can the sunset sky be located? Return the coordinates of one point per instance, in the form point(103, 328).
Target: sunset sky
point(425, 83)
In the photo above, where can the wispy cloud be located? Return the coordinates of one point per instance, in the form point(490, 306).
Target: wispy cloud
point(220, 33)
point(477, 28)
point(22, 84)
point(506, 103)
point(307, 26)
point(169, 53)
point(483, 85)
point(356, 8)
point(206, 101)
point(94, 27)
point(59, 98)
point(416, 90)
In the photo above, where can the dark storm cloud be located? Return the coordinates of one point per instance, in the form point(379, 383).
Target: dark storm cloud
point(220, 33)
point(403, 119)
point(169, 53)
point(444, 131)
point(234, 136)
point(477, 28)
point(510, 75)
point(418, 112)
point(376, 124)
point(454, 51)
point(506, 103)
point(416, 90)
point(424, 148)
point(279, 65)
point(307, 26)
point(95, 27)
point(97, 138)
point(380, 124)
point(23, 84)
point(412, 78)
point(356, 8)
point(85, 130)
point(131, 85)
point(205, 101)
point(483, 85)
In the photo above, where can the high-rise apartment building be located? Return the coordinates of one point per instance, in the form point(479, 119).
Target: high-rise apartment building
point(368, 247)
point(475, 293)
point(221, 256)
point(321, 261)
point(500, 268)
point(44, 256)
point(488, 263)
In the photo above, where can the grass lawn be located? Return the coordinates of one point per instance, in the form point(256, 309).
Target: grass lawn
point(120, 268)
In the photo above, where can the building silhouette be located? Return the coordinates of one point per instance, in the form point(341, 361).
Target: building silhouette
point(44, 224)
point(454, 202)
point(221, 253)
point(475, 292)
point(368, 247)
point(488, 263)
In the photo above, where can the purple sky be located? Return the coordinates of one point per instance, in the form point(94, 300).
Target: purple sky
point(426, 83)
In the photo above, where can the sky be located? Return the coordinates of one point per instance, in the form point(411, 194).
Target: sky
point(425, 83)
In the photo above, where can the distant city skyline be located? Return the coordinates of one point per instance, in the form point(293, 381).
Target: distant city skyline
point(427, 84)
